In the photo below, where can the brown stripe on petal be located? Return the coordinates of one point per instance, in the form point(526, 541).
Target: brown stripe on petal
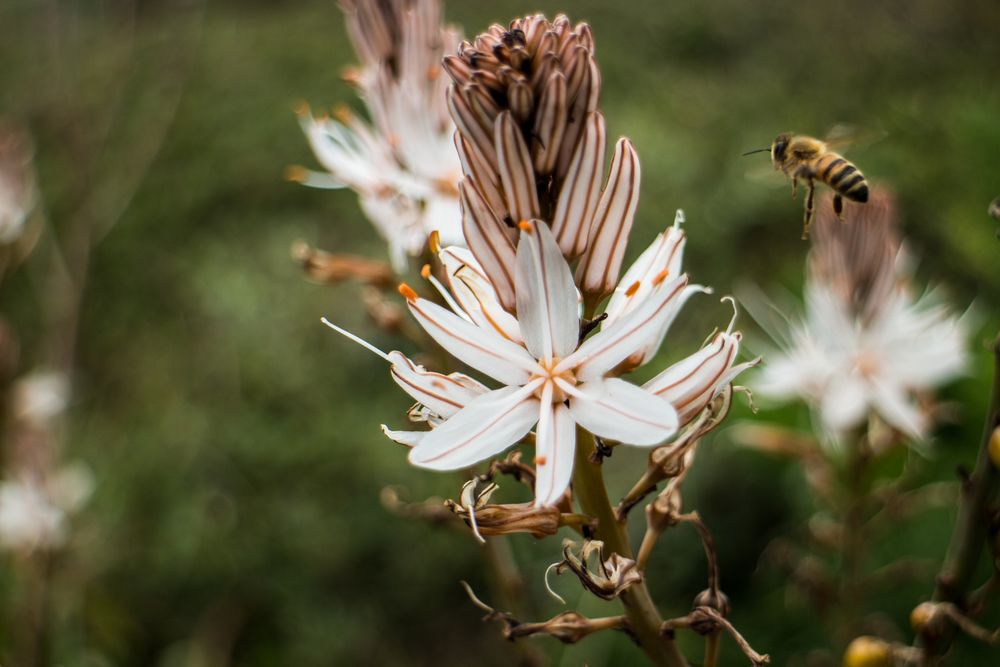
point(601, 263)
point(550, 124)
point(521, 101)
point(542, 73)
point(488, 242)
point(459, 70)
point(515, 169)
point(585, 102)
point(482, 103)
point(474, 166)
point(586, 35)
point(468, 124)
point(580, 192)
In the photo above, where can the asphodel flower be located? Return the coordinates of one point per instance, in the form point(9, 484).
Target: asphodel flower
point(403, 165)
point(549, 378)
point(865, 345)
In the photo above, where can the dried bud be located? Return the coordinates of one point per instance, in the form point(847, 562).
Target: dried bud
point(486, 519)
point(929, 620)
point(715, 599)
point(568, 627)
point(664, 512)
point(324, 267)
point(611, 576)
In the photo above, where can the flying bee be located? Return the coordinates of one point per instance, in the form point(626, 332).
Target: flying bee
point(809, 159)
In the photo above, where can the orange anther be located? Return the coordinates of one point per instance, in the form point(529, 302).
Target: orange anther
point(661, 276)
point(434, 242)
point(526, 226)
point(425, 271)
point(540, 460)
point(407, 292)
point(633, 288)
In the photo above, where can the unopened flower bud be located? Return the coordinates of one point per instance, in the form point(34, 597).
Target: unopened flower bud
point(715, 599)
point(867, 651)
point(929, 620)
point(539, 521)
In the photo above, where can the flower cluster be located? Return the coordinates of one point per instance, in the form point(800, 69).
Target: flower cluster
point(532, 148)
point(403, 165)
point(866, 345)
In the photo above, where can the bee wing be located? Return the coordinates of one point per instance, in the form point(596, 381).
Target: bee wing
point(766, 175)
point(844, 135)
point(768, 311)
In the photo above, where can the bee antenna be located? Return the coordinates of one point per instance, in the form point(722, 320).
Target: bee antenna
point(757, 150)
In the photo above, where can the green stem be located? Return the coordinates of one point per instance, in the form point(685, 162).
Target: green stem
point(967, 543)
point(643, 618)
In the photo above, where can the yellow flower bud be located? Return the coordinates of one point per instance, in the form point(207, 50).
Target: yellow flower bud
point(867, 652)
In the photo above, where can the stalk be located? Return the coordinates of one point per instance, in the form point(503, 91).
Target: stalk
point(972, 525)
point(643, 618)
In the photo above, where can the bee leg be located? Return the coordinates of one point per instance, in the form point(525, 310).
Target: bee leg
point(795, 186)
point(838, 207)
point(807, 221)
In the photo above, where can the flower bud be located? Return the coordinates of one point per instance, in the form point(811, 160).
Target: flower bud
point(867, 652)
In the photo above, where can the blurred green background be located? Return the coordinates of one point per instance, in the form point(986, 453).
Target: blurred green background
point(235, 441)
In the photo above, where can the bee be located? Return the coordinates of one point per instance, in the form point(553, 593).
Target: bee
point(809, 159)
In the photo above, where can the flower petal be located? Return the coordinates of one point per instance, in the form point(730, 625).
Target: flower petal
point(486, 426)
point(444, 395)
point(631, 334)
point(546, 295)
point(405, 438)
point(692, 382)
point(618, 410)
point(893, 405)
point(555, 444)
point(475, 293)
point(483, 349)
point(662, 258)
point(844, 402)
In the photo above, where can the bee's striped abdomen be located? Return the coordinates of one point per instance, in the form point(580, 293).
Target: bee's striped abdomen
point(846, 179)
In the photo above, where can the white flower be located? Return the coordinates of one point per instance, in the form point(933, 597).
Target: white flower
point(17, 186)
point(865, 345)
point(549, 379)
point(40, 396)
point(848, 368)
point(33, 513)
point(404, 166)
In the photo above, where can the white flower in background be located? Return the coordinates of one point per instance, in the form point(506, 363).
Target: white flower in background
point(403, 165)
point(34, 514)
point(17, 186)
point(865, 344)
point(40, 396)
point(551, 381)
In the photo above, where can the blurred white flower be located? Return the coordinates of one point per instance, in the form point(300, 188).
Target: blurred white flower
point(33, 514)
point(40, 396)
point(403, 166)
point(865, 344)
point(17, 185)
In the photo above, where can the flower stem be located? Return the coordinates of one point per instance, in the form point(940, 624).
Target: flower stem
point(972, 524)
point(643, 618)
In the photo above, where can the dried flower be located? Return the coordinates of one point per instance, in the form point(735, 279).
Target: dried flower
point(403, 166)
point(865, 345)
point(609, 578)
